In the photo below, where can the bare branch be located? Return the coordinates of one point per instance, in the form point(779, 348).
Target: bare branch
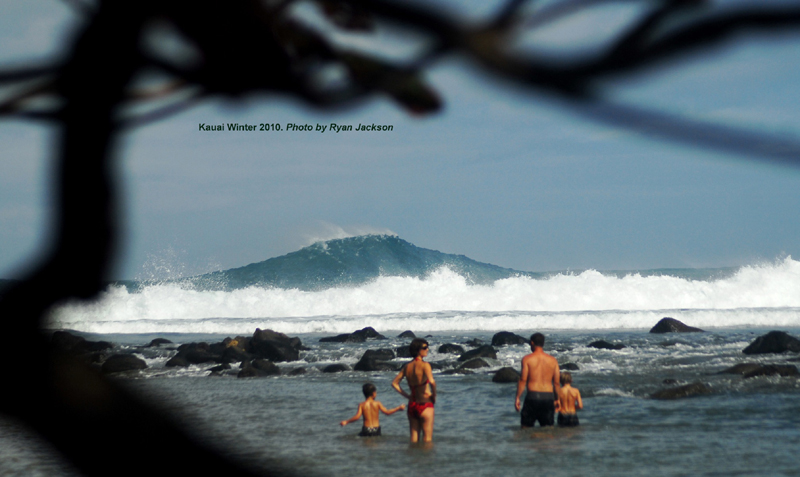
point(26, 74)
point(81, 7)
point(162, 113)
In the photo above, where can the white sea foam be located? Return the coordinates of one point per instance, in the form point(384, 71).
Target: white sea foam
point(764, 295)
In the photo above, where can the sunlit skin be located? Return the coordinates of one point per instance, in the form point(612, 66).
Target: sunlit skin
point(570, 399)
point(539, 374)
point(370, 409)
point(416, 372)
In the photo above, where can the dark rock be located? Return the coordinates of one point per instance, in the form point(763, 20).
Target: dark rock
point(235, 354)
point(220, 368)
point(505, 338)
point(784, 370)
point(438, 365)
point(484, 351)
point(359, 336)
point(458, 371)
point(274, 346)
point(670, 381)
point(773, 342)
point(66, 342)
point(297, 372)
point(93, 346)
point(475, 342)
point(741, 368)
point(336, 368)
point(177, 361)
point(377, 360)
point(267, 367)
point(688, 390)
point(475, 363)
point(569, 367)
point(407, 334)
point(158, 342)
point(258, 368)
point(95, 358)
point(403, 351)
point(506, 375)
point(671, 325)
point(248, 372)
point(122, 362)
point(602, 344)
point(197, 353)
point(451, 349)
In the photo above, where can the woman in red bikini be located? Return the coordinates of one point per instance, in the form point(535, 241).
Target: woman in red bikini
point(419, 375)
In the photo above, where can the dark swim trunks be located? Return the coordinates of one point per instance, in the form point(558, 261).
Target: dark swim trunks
point(538, 407)
point(568, 420)
point(370, 431)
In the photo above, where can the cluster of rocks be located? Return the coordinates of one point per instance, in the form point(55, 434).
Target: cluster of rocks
point(94, 353)
point(257, 355)
point(774, 342)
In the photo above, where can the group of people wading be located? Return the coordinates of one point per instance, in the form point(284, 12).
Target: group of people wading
point(548, 392)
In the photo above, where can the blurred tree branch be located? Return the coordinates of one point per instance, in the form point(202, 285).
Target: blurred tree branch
point(254, 47)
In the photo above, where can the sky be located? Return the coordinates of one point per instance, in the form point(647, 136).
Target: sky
point(515, 178)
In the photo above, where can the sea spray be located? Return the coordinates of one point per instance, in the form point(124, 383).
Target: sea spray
point(763, 295)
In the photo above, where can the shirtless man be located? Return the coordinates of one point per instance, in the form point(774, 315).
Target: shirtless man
point(541, 376)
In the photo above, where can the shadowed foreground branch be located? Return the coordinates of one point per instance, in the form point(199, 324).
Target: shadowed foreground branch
point(262, 47)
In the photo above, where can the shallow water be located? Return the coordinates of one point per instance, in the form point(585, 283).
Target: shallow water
point(745, 427)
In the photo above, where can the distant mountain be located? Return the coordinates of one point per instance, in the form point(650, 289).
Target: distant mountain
point(350, 261)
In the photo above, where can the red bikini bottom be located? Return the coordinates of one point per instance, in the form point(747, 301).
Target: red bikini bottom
point(415, 408)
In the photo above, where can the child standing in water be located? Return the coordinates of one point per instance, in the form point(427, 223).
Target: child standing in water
point(570, 401)
point(369, 409)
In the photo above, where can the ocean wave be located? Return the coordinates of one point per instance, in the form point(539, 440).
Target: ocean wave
point(761, 295)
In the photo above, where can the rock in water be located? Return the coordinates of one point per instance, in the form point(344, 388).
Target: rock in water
point(504, 338)
point(274, 346)
point(122, 362)
point(783, 370)
point(671, 325)
point(258, 368)
point(336, 368)
point(376, 360)
point(474, 363)
point(506, 375)
point(359, 336)
point(741, 369)
point(484, 351)
point(158, 342)
point(694, 389)
point(603, 344)
point(65, 342)
point(773, 342)
point(451, 349)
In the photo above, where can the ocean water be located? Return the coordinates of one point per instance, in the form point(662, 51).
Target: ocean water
point(744, 427)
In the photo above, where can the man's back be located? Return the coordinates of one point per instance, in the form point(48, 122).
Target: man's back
point(540, 371)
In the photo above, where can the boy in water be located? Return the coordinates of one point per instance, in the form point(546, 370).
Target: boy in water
point(369, 409)
point(570, 401)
